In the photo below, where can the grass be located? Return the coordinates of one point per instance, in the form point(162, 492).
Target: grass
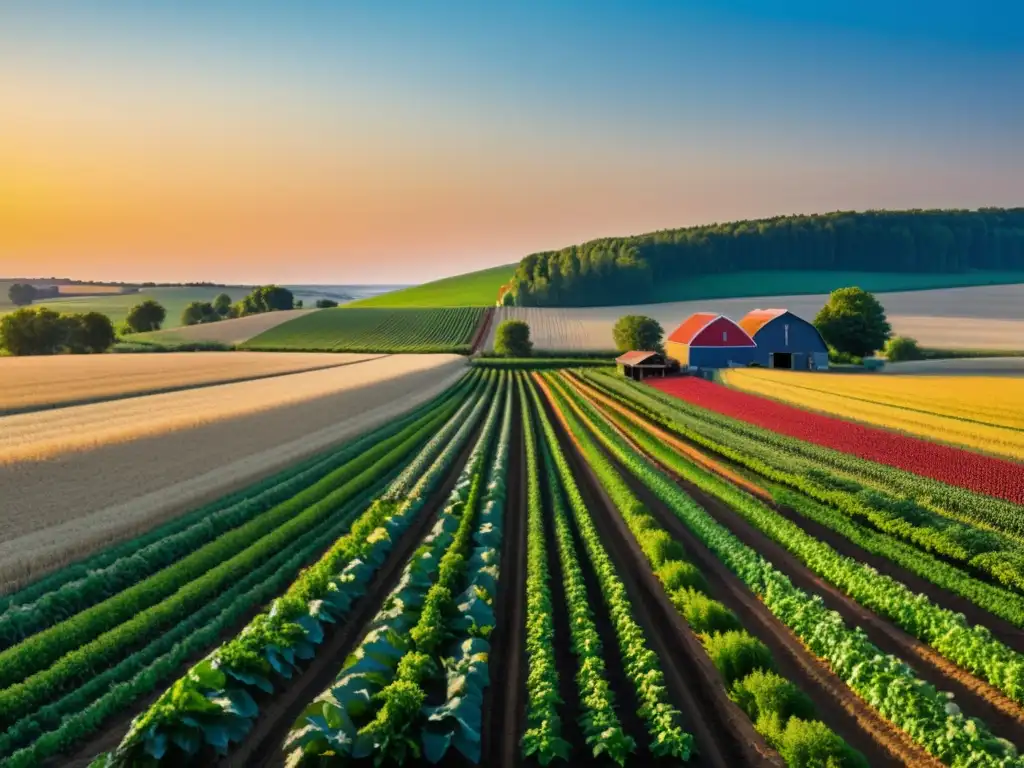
point(473, 289)
point(792, 283)
point(374, 330)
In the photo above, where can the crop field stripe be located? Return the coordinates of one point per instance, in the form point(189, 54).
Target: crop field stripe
point(917, 517)
point(943, 733)
point(948, 633)
point(29, 618)
point(975, 594)
point(271, 490)
point(322, 594)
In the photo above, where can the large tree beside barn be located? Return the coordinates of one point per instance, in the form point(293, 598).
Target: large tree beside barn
point(637, 332)
point(853, 322)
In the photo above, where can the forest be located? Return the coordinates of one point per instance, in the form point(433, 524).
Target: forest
point(917, 241)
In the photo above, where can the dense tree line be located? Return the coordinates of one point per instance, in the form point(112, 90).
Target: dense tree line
point(41, 331)
point(617, 270)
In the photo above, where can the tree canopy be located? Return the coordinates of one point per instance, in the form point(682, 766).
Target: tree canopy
point(41, 331)
point(637, 332)
point(222, 304)
point(625, 269)
point(512, 339)
point(147, 316)
point(853, 322)
point(200, 312)
point(21, 294)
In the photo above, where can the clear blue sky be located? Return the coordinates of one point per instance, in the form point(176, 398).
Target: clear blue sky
point(358, 141)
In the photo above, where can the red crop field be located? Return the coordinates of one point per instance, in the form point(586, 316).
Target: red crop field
point(983, 474)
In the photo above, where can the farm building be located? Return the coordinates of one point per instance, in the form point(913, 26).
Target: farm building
point(785, 340)
point(707, 340)
point(639, 365)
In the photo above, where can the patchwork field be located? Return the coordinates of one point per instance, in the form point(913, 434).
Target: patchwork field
point(33, 383)
point(79, 476)
point(516, 568)
point(376, 330)
point(957, 318)
point(231, 332)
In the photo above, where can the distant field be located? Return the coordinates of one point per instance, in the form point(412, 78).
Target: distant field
point(234, 331)
point(31, 383)
point(959, 318)
point(792, 283)
point(473, 289)
point(375, 330)
point(984, 413)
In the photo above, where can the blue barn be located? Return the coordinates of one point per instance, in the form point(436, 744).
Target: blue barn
point(785, 340)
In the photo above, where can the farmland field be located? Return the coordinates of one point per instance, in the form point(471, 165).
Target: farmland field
point(232, 331)
point(376, 330)
point(473, 289)
point(33, 383)
point(957, 318)
point(984, 413)
point(539, 568)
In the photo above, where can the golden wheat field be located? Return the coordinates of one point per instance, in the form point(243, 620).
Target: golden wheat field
point(78, 477)
point(29, 383)
point(981, 412)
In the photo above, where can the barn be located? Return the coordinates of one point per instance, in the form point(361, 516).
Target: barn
point(785, 340)
point(707, 340)
point(639, 364)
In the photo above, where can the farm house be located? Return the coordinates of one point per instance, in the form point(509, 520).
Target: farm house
point(707, 340)
point(785, 340)
point(639, 364)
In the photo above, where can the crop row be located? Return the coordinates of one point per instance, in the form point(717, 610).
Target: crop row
point(376, 706)
point(249, 517)
point(282, 637)
point(776, 707)
point(912, 518)
point(885, 683)
point(930, 495)
point(662, 719)
point(985, 474)
point(948, 633)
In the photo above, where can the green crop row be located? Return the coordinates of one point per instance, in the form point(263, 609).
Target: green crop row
point(542, 738)
point(282, 637)
point(667, 738)
point(776, 707)
point(381, 684)
point(885, 683)
point(993, 553)
point(948, 633)
point(250, 517)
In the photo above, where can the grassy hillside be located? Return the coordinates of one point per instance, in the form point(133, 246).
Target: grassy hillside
point(791, 283)
point(375, 330)
point(473, 289)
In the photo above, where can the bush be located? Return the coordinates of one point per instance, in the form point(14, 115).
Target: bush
point(763, 692)
point(736, 654)
point(900, 349)
point(326, 303)
point(703, 614)
point(147, 316)
point(512, 339)
point(637, 332)
point(812, 744)
point(679, 574)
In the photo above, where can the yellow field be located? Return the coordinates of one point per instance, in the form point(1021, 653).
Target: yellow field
point(982, 412)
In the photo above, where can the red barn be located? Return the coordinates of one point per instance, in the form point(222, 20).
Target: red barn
point(707, 340)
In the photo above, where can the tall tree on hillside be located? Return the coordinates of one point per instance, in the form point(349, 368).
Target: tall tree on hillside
point(637, 332)
point(222, 303)
point(21, 294)
point(90, 332)
point(853, 321)
point(147, 316)
point(199, 312)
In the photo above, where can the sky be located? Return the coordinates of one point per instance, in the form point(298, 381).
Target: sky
point(397, 142)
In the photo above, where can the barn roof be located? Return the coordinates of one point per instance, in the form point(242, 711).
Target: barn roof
point(635, 357)
point(697, 323)
point(757, 319)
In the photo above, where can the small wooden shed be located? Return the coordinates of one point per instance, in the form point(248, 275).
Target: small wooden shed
point(639, 364)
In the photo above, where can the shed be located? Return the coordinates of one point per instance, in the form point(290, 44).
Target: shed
point(785, 340)
point(639, 364)
point(707, 340)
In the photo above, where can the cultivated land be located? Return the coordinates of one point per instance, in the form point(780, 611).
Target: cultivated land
point(957, 318)
point(33, 383)
point(79, 476)
point(986, 414)
point(473, 289)
point(233, 331)
point(537, 568)
point(377, 330)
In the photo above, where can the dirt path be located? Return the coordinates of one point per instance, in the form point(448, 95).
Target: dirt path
point(279, 710)
point(505, 698)
point(483, 331)
point(724, 735)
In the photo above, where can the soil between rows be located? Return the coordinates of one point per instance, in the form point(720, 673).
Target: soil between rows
point(723, 734)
